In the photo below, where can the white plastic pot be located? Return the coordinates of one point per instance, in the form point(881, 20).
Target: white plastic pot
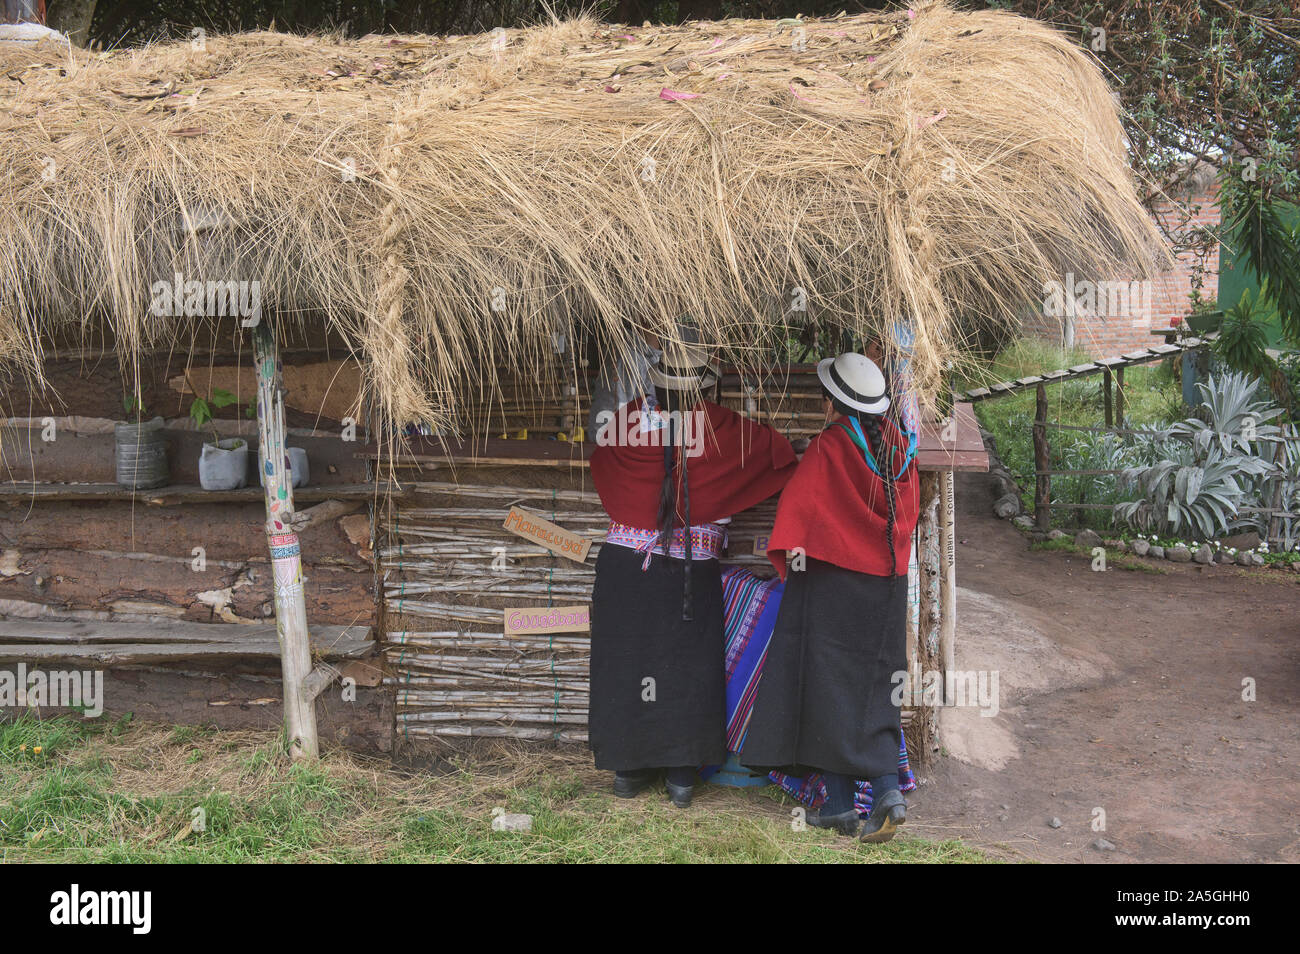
point(224, 465)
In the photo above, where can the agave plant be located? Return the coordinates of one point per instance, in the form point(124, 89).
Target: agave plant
point(1206, 470)
point(1190, 491)
point(1234, 416)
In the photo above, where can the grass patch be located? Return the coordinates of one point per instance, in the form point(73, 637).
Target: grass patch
point(133, 793)
point(1114, 559)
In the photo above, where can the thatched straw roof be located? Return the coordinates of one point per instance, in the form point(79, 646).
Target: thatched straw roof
point(931, 164)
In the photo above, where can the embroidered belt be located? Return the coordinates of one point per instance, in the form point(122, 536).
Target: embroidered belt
point(707, 541)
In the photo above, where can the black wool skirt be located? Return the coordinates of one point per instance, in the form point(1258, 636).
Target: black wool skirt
point(824, 702)
point(658, 689)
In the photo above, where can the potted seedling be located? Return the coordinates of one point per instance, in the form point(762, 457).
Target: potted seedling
point(297, 457)
point(140, 449)
point(223, 464)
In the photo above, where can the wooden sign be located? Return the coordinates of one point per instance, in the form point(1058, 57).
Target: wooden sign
point(760, 545)
point(541, 531)
point(540, 620)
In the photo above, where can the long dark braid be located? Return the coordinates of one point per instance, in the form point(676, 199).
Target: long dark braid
point(884, 460)
point(876, 444)
point(667, 495)
point(667, 516)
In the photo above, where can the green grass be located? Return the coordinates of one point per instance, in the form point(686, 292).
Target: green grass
point(129, 793)
point(1114, 559)
point(1151, 396)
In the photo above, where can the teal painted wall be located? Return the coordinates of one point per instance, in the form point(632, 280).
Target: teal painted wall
point(1235, 279)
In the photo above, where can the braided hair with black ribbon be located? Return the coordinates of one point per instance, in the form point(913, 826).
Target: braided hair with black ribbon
point(670, 401)
point(871, 426)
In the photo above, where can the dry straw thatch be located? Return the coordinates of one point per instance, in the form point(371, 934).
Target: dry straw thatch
point(928, 164)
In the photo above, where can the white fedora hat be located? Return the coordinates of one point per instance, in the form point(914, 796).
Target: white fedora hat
point(855, 381)
point(684, 368)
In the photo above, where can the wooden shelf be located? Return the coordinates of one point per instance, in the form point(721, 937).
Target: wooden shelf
point(109, 643)
point(182, 493)
point(965, 451)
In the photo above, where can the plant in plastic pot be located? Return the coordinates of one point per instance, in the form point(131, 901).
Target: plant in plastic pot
point(140, 450)
point(223, 464)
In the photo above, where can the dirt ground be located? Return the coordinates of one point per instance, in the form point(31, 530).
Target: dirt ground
point(1120, 691)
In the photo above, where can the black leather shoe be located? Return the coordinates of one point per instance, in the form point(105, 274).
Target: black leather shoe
point(680, 795)
point(632, 784)
point(846, 823)
point(888, 812)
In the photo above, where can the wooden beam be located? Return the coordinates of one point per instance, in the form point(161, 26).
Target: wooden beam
point(1119, 397)
point(317, 681)
point(328, 641)
point(112, 654)
point(1106, 395)
point(186, 493)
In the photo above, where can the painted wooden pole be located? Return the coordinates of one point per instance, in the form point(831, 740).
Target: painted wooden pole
point(286, 555)
point(948, 579)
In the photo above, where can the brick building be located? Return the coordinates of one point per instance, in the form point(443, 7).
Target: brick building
point(1104, 318)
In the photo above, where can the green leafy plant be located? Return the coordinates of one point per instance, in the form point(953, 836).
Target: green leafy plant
point(131, 404)
point(1094, 451)
point(1243, 335)
point(201, 412)
point(1288, 368)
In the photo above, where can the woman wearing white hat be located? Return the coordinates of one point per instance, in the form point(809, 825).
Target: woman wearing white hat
point(668, 469)
point(845, 521)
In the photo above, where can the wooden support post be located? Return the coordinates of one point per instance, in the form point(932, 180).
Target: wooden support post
point(1105, 388)
point(286, 554)
point(930, 557)
point(948, 578)
point(1119, 397)
point(1273, 527)
point(1042, 464)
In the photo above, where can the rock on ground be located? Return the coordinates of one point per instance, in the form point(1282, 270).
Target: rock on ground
point(512, 823)
point(1007, 506)
point(1087, 539)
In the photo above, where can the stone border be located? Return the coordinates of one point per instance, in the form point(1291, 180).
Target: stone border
point(1007, 504)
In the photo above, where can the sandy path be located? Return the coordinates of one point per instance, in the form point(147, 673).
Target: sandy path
point(1120, 691)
